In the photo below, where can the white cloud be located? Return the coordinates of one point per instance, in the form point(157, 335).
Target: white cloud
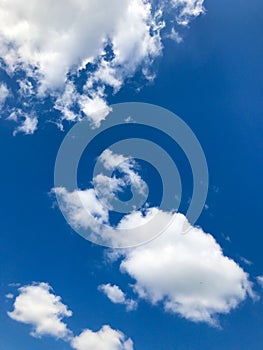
point(52, 42)
point(117, 296)
point(28, 126)
point(28, 123)
point(81, 205)
point(246, 261)
point(260, 280)
point(38, 306)
point(187, 273)
point(94, 107)
point(89, 209)
point(126, 165)
point(55, 37)
point(188, 9)
point(4, 92)
point(9, 296)
point(25, 87)
point(89, 215)
point(175, 36)
point(111, 160)
point(105, 339)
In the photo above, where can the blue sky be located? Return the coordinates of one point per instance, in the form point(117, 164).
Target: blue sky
point(213, 81)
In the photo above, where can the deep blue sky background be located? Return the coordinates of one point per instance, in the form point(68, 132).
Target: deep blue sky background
point(213, 81)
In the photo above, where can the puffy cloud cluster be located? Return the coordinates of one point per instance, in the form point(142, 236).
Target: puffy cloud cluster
point(46, 46)
point(38, 306)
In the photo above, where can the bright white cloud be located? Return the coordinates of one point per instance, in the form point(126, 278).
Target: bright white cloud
point(187, 273)
point(105, 339)
point(52, 42)
point(38, 306)
point(117, 296)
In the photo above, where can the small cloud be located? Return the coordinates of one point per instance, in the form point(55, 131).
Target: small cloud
point(129, 120)
point(117, 296)
point(9, 296)
point(13, 284)
point(260, 280)
point(4, 93)
point(246, 261)
point(175, 36)
point(27, 123)
point(226, 237)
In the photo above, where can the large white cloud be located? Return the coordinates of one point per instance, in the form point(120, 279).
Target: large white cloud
point(104, 339)
point(51, 42)
point(38, 306)
point(187, 273)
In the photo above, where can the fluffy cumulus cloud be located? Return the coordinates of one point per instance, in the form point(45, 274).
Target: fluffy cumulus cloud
point(187, 273)
point(105, 339)
point(38, 306)
point(117, 296)
point(72, 50)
